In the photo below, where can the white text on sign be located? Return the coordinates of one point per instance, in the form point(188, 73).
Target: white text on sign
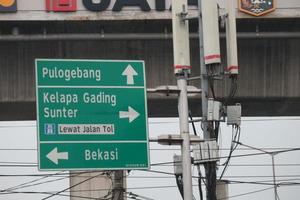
point(101, 129)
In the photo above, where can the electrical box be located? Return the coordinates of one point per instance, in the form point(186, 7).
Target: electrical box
point(222, 189)
point(234, 114)
point(206, 151)
point(214, 110)
point(177, 164)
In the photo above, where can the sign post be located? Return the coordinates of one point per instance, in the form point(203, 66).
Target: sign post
point(91, 114)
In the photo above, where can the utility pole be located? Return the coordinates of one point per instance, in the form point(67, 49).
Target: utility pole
point(87, 184)
point(211, 188)
point(182, 69)
point(210, 68)
point(118, 185)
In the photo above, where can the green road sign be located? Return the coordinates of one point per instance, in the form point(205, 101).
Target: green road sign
point(92, 114)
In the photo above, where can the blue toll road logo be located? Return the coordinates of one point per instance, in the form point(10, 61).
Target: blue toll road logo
point(49, 129)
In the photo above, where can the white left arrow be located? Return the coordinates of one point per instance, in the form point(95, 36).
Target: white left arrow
point(131, 114)
point(54, 155)
point(129, 72)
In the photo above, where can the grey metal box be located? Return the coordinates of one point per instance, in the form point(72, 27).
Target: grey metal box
point(206, 151)
point(213, 110)
point(234, 114)
point(177, 164)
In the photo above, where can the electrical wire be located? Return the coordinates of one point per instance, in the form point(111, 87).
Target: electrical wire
point(172, 174)
point(48, 193)
point(18, 163)
point(174, 122)
point(211, 176)
point(142, 188)
point(198, 167)
point(239, 156)
point(134, 188)
point(174, 186)
point(20, 149)
point(244, 194)
point(179, 183)
point(29, 182)
point(59, 174)
point(290, 184)
point(233, 89)
point(134, 196)
point(30, 166)
point(235, 137)
point(171, 162)
point(175, 149)
point(199, 183)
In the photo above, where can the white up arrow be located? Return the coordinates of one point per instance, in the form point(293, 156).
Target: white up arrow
point(129, 72)
point(54, 156)
point(131, 114)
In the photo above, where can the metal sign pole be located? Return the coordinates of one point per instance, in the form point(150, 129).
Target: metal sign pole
point(181, 70)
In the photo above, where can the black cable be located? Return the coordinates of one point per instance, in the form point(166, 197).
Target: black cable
point(244, 194)
point(48, 193)
point(239, 156)
point(286, 184)
point(170, 164)
point(30, 166)
point(136, 188)
point(193, 124)
point(179, 184)
point(216, 130)
point(166, 122)
point(170, 177)
point(210, 172)
point(233, 89)
point(235, 137)
point(59, 174)
point(283, 184)
point(211, 85)
point(29, 182)
point(226, 149)
point(20, 149)
point(152, 149)
point(199, 170)
point(199, 183)
point(49, 181)
point(134, 196)
point(18, 163)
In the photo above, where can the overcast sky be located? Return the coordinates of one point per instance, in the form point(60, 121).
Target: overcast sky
point(257, 132)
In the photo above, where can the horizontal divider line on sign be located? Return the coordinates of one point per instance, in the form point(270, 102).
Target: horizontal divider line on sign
point(93, 86)
point(75, 142)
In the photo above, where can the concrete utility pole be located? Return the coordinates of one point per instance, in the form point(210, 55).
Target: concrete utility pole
point(87, 184)
point(118, 185)
point(209, 56)
point(182, 69)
